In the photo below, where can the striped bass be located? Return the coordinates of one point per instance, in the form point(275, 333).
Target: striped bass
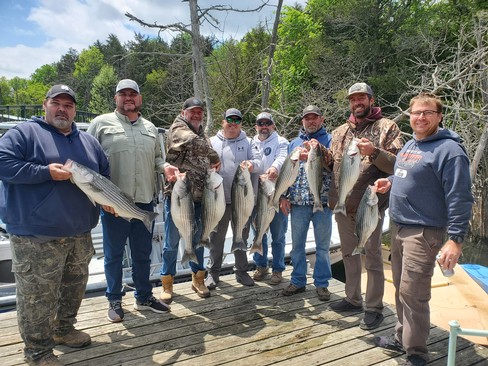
point(314, 172)
point(102, 191)
point(349, 174)
point(367, 217)
point(264, 212)
point(183, 215)
point(242, 199)
point(213, 205)
point(287, 176)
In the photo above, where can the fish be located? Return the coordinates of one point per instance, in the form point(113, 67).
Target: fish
point(101, 190)
point(264, 212)
point(242, 199)
point(349, 174)
point(314, 172)
point(287, 176)
point(183, 215)
point(213, 205)
point(367, 217)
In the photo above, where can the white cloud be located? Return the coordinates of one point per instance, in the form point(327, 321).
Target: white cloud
point(79, 23)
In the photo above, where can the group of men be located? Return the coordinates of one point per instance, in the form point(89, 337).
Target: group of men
point(49, 219)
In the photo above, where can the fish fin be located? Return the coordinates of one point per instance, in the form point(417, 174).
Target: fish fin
point(92, 200)
point(340, 209)
point(148, 220)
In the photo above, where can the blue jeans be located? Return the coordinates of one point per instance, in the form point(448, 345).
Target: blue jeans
point(116, 230)
point(322, 228)
point(172, 241)
point(278, 229)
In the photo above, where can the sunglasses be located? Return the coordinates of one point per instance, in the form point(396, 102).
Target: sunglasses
point(263, 123)
point(234, 120)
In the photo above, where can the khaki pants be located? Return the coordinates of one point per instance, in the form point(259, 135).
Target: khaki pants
point(373, 263)
point(413, 253)
point(51, 279)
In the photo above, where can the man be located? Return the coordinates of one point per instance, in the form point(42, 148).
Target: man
point(132, 146)
point(300, 204)
point(233, 147)
point(190, 151)
point(49, 220)
point(274, 150)
point(380, 141)
point(430, 194)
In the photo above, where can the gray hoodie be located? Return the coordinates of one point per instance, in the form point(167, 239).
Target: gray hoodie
point(232, 152)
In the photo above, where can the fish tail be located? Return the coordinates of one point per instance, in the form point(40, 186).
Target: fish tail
point(148, 220)
point(204, 243)
point(257, 247)
point(189, 256)
point(238, 245)
point(317, 206)
point(358, 250)
point(340, 209)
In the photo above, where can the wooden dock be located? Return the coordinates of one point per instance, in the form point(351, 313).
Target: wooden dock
point(237, 325)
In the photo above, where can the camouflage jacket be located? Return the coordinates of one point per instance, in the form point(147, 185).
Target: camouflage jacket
point(386, 136)
point(191, 152)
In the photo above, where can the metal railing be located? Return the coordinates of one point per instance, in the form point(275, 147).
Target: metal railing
point(24, 112)
point(455, 330)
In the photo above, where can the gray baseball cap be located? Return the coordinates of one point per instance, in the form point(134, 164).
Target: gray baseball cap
point(360, 88)
point(191, 103)
point(264, 115)
point(233, 112)
point(61, 89)
point(311, 109)
point(127, 84)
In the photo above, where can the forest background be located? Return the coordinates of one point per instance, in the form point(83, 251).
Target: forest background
point(311, 56)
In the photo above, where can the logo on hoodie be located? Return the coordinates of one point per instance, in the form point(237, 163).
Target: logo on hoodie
point(267, 151)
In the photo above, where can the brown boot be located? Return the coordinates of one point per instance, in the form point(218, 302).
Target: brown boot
point(166, 295)
point(198, 285)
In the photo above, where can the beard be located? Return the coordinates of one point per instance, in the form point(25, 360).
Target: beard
point(62, 123)
point(364, 113)
point(264, 134)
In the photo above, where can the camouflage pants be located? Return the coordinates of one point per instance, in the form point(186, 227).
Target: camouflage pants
point(51, 279)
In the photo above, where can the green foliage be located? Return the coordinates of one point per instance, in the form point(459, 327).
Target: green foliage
point(46, 74)
point(6, 96)
point(103, 90)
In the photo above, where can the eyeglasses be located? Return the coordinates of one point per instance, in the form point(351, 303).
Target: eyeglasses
point(417, 114)
point(264, 123)
point(237, 121)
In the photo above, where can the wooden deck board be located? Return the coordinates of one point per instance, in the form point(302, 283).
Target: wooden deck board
point(237, 325)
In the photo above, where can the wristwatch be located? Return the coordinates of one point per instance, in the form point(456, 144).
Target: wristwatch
point(456, 238)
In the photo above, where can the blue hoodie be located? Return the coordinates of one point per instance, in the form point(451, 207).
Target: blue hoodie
point(431, 185)
point(33, 203)
point(299, 192)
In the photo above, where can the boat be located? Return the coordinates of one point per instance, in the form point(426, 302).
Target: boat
point(478, 273)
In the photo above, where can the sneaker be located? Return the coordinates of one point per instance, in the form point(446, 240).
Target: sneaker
point(74, 339)
point(415, 360)
point(371, 320)
point(276, 278)
point(211, 281)
point(345, 305)
point(323, 293)
point(291, 289)
point(260, 273)
point(152, 304)
point(244, 278)
point(388, 342)
point(115, 311)
point(47, 360)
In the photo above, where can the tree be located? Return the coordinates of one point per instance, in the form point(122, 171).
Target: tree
point(46, 74)
point(87, 67)
point(103, 90)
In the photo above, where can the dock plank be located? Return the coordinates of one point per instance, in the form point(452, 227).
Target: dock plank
point(237, 325)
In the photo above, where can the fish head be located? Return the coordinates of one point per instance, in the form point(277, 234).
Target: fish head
point(214, 179)
point(78, 172)
point(352, 148)
point(372, 196)
point(266, 185)
point(295, 154)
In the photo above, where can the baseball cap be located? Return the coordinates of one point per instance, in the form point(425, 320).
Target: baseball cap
point(191, 103)
point(360, 88)
point(311, 109)
point(232, 112)
point(127, 84)
point(264, 115)
point(61, 89)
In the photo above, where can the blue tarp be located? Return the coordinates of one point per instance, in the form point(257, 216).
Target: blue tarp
point(478, 273)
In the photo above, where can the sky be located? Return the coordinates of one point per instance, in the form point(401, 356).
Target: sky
point(39, 32)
